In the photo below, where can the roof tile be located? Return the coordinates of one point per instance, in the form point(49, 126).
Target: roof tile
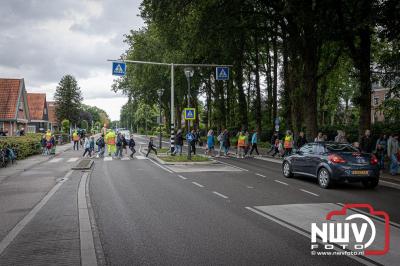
point(36, 104)
point(9, 91)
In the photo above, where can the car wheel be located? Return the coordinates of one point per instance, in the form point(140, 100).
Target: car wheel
point(372, 183)
point(286, 169)
point(324, 178)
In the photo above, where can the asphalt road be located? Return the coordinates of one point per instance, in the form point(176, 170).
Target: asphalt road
point(148, 215)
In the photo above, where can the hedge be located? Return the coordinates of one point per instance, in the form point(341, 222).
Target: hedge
point(25, 145)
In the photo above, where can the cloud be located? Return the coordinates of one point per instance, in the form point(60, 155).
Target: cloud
point(43, 40)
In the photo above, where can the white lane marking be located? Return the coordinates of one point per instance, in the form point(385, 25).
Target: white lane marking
point(249, 187)
point(140, 157)
point(288, 226)
point(234, 166)
point(219, 194)
point(181, 176)
point(108, 159)
point(88, 253)
point(159, 165)
point(197, 184)
point(71, 160)
point(272, 160)
point(125, 159)
point(260, 175)
point(21, 224)
point(283, 183)
point(309, 192)
point(389, 184)
point(55, 160)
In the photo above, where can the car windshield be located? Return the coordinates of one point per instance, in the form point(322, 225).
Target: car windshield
point(340, 147)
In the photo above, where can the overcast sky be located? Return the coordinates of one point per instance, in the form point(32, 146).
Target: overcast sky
point(42, 40)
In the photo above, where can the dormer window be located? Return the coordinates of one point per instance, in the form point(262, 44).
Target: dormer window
point(21, 106)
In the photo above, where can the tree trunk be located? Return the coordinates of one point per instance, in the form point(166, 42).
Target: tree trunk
point(310, 83)
point(239, 83)
point(257, 85)
point(270, 117)
point(286, 101)
point(365, 80)
point(275, 84)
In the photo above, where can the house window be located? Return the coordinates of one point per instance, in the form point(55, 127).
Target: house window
point(376, 100)
point(45, 111)
point(21, 106)
point(31, 129)
point(2, 125)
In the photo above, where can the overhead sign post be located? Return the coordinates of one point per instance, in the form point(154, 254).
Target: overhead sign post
point(222, 73)
point(118, 68)
point(189, 113)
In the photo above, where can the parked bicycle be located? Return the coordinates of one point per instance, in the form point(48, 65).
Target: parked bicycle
point(8, 155)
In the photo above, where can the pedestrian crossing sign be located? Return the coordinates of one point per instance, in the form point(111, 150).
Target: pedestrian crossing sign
point(189, 113)
point(118, 68)
point(222, 73)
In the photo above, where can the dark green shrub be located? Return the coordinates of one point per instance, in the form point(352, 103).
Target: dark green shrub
point(26, 145)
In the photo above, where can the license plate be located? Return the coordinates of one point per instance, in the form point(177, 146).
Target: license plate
point(359, 172)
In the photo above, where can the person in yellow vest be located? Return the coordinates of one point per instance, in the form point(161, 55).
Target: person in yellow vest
point(75, 139)
point(110, 140)
point(48, 135)
point(241, 146)
point(288, 143)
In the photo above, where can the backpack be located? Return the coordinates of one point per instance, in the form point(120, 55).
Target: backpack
point(132, 143)
point(220, 137)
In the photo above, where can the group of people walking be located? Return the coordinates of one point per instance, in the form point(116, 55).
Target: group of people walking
point(115, 144)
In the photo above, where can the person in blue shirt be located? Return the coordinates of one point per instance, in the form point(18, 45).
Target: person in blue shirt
point(254, 140)
point(210, 142)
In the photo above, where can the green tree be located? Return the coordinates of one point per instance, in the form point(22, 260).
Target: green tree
point(68, 99)
point(65, 125)
point(84, 124)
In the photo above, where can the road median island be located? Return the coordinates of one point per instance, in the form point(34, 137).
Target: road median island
point(165, 158)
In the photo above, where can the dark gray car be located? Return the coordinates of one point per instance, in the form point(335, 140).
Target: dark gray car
point(333, 162)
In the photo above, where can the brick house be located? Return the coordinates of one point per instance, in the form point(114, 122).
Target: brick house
point(14, 110)
point(39, 121)
point(54, 125)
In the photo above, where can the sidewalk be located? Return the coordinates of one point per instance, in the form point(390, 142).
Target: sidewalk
point(25, 164)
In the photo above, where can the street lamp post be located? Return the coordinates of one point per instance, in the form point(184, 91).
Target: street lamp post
point(160, 91)
point(189, 73)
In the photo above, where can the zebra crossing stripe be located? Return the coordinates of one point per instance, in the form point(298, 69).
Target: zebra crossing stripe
point(55, 160)
point(71, 160)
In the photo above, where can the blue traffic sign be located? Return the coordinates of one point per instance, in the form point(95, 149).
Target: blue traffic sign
point(118, 68)
point(189, 113)
point(222, 73)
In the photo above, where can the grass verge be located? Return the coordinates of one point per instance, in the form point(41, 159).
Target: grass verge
point(183, 158)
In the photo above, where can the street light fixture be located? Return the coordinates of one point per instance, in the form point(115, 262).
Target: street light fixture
point(189, 71)
point(160, 93)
